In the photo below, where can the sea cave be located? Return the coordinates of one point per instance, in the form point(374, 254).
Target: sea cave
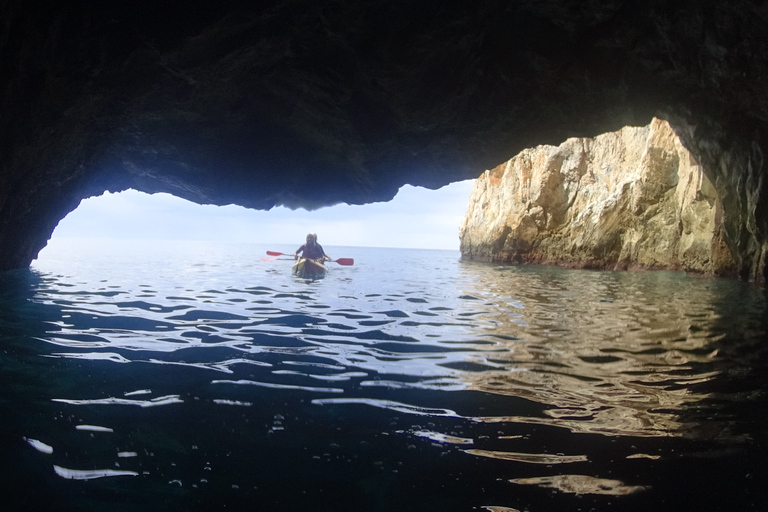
point(178, 374)
point(315, 103)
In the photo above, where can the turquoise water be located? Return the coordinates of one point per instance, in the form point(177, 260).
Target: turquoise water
point(192, 376)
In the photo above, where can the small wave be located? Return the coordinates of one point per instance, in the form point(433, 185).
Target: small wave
point(39, 445)
point(440, 438)
point(200, 314)
point(222, 401)
point(90, 474)
point(278, 386)
point(582, 484)
point(93, 428)
point(528, 458)
point(163, 400)
point(334, 377)
point(387, 404)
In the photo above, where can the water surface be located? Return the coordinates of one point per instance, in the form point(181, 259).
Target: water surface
point(190, 376)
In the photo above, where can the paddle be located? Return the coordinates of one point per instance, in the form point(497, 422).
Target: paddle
point(341, 261)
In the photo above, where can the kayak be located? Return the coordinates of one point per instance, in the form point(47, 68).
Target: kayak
point(307, 268)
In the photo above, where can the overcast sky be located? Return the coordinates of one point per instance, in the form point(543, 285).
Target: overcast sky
point(415, 218)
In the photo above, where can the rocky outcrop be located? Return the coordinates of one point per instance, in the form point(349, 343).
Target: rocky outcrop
point(635, 198)
point(311, 103)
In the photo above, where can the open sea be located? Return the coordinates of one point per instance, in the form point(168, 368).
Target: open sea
point(187, 376)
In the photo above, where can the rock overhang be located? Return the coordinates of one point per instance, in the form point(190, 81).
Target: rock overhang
point(314, 103)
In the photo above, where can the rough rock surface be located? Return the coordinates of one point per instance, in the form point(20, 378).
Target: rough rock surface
point(310, 103)
point(632, 198)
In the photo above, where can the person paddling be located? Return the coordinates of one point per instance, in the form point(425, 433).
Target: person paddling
point(312, 250)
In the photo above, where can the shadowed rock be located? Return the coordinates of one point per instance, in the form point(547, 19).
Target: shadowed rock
point(313, 103)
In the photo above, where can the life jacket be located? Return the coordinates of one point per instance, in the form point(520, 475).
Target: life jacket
point(313, 251)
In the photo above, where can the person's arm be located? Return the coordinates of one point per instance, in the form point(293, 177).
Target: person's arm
point(299, 250)
point(325, 256)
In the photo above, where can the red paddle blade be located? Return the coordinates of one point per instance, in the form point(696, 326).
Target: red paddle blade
point(345, 261)
point(273, 253)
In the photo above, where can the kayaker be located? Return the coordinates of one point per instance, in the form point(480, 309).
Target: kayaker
point(312, 250)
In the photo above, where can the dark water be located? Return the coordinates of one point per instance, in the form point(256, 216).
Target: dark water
point(194, 377)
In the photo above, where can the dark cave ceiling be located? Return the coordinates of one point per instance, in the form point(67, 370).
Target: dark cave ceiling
point(313, 103)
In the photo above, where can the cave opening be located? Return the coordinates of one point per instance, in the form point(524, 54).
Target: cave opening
point(416, 218)
point(634, 198)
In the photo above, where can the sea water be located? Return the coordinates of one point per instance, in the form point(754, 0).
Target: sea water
point(195, 376)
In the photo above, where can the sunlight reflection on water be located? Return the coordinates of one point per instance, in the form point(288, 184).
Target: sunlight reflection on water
point(182, 363)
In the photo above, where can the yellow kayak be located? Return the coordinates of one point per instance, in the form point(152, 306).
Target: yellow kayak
point(309, 268)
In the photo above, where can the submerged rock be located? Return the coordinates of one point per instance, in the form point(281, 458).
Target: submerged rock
point(635, 198)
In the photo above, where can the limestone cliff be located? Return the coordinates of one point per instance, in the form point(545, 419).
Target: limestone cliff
point(632, 198)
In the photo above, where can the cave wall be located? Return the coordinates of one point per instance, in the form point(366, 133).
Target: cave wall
point(312, 103)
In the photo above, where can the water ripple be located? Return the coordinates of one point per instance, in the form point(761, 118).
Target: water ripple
point(386, 377)
point(599, 363)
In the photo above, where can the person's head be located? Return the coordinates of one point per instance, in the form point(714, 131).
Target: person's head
point(311, 238)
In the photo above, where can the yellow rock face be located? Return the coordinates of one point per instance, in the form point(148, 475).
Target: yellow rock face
point(635, 198)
